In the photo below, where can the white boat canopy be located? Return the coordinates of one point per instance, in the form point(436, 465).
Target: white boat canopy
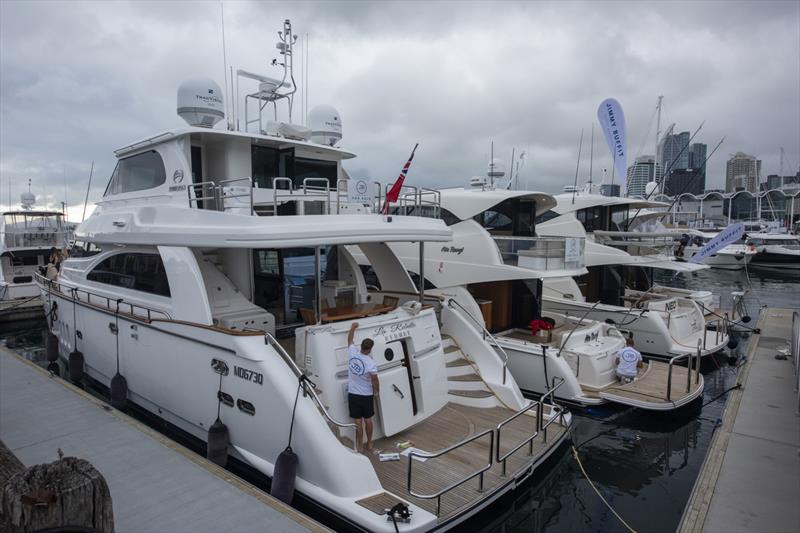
point(465, 203)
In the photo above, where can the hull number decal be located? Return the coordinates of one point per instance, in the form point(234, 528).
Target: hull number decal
point(248, 375)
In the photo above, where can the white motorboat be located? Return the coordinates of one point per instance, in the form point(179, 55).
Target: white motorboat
point(197, 289)
point(494, 268)
point(779, 252)
point(27, 237)
point(735, 256)
point(617, 288)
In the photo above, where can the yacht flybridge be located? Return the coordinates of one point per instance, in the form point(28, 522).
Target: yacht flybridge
point(493, 271)
point(196, 289)
point(665, 322)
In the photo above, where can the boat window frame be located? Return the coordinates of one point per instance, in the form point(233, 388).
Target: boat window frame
point(135, 287)
point(114, 186)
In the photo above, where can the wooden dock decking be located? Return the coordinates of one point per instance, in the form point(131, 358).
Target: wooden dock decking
point(156, 484)
point(450, 425)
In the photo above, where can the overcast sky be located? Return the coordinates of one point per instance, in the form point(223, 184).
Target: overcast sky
point(78, 80)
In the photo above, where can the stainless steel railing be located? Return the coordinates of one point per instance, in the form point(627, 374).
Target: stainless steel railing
point(307, 389)
point(690, 358)
point(477, 473)
point(215, 193)
point(113, 305)
point(486, 334)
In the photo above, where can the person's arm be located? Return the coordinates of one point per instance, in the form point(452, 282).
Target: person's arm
point(351, 333)
point(376, 385)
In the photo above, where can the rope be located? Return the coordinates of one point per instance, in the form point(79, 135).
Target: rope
point(591, 484)
point(17, 304)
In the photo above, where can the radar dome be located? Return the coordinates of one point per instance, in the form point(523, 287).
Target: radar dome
point(326, 125)
point(650, 188)
point(27, 199)
point(200, 102)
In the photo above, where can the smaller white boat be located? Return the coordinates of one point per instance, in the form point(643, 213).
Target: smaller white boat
point(735, 256)
point(775, 251)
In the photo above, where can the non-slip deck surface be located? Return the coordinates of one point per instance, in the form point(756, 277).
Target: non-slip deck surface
point(451, 424)
point(652, 386)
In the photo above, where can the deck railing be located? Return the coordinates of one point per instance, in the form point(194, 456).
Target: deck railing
point(690, 358)
point(477, 473)
point(213, 194)
point(542, 253)
point(98, 300)
point(539, 425)
point(308, 389)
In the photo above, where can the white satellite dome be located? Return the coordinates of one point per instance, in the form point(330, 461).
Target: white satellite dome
point(200, 102)
point(496, 168)
point(326, 125)
point(27, 199)
point(650, 188)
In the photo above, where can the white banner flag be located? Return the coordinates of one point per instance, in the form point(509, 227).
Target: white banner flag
point(612, 120)
point(730, 234)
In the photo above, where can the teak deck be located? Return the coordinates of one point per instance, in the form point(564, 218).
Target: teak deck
point(652, 386)
point(450, 425)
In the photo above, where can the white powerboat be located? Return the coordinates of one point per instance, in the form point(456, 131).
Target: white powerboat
point(27, 237)
point(494, 268)
point(775, 251)
point(734, 256)
point(199, 291)
point(617, 288)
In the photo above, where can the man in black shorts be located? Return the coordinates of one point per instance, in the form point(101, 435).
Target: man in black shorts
point(362, 385)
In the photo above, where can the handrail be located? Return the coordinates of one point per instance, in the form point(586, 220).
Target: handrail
point(689, 356)
point(425, 455)
point(539, 425)
point(54, 286)
point(272, 341)
point(485, 333)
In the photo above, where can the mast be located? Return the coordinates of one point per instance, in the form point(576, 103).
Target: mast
point(591, 159)
point(658, 135)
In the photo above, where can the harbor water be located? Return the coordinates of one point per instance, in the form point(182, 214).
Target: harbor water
point(643, 463)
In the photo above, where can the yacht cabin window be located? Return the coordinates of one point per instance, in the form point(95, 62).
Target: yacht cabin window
point(136, 271)
point(512, 217)
point(270, 163)
point(137, 173)
point(84, 249)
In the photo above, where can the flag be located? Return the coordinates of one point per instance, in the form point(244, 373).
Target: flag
point(612, 120)
point(730, 234)
point(394, 193)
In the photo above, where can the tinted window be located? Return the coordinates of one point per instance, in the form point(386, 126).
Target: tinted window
point(140, 272)
point(137, 173)
point(84, 249)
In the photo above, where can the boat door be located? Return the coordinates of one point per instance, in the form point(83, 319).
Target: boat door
point(396, 400)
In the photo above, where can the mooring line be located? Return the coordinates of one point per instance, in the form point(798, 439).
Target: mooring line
point(591, 484)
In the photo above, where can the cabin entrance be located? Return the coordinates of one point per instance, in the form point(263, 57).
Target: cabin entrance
point(508, 304)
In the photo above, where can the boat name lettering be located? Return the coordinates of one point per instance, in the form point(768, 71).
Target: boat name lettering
point(452, 250)
point(395, 331)
point(248, 375)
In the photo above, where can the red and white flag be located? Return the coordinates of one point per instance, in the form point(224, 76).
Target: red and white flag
point(394, 193)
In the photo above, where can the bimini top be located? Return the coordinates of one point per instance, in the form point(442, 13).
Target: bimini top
point(584, 200)
point(257, 137)
point(600, 255)
point(166, 225)
point(465, 203)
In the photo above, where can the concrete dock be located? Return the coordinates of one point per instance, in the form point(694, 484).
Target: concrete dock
point(156, 484)
point(750, 480)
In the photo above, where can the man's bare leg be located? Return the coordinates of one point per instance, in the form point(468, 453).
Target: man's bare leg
point(368, 424)
point(359, 432)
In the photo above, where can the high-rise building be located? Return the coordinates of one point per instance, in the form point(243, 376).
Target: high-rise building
point(643, 171)
point(675, 151)
point(697, 156)
point(683, 180)
point(776, 181)
point(742, 173)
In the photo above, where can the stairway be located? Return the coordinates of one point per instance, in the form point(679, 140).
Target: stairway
point(464, 384)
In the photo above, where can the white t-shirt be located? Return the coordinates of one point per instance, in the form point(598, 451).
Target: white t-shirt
point(628, 360)
point(361, 368)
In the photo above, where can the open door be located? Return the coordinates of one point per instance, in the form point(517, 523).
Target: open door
point(396, 401)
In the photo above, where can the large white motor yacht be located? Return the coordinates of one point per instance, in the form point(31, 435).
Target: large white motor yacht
point(735, 256)
point(494, 269)
point(214, 303)
point(779, 252)
point(665, 322)
point(26, 238)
